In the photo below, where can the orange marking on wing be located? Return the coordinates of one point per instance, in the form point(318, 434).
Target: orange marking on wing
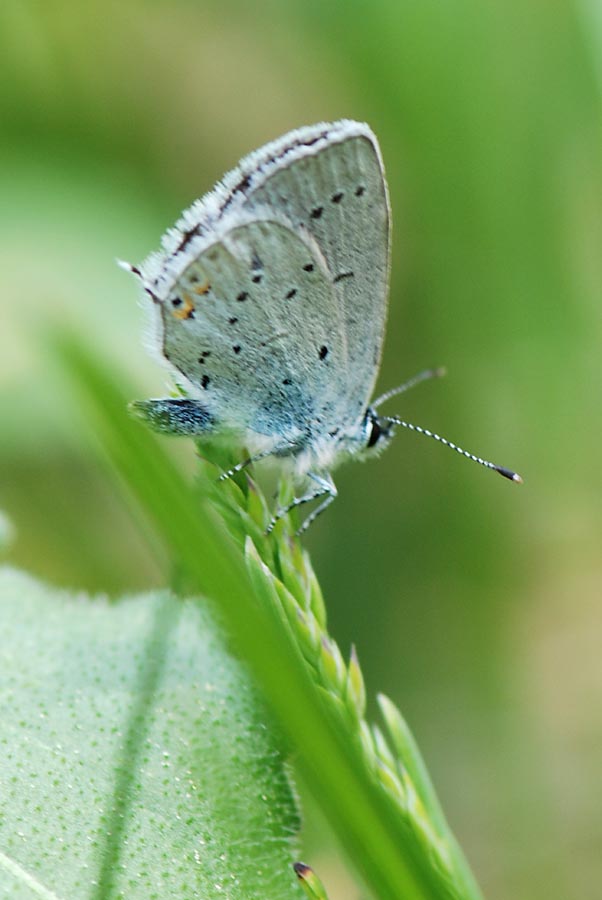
point(185, 311)
point(202, 288)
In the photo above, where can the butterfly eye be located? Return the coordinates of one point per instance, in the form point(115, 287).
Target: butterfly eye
point(375, 433)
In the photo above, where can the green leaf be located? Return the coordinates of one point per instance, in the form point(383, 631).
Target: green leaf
point(135, 757)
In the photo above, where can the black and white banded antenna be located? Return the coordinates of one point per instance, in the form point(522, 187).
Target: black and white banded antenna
point(395, 420)
point(502, 470)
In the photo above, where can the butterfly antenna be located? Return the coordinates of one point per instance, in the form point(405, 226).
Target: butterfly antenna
point(507, 473)
point(402, 388)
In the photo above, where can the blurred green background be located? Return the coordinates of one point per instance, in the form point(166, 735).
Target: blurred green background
point(475, 604)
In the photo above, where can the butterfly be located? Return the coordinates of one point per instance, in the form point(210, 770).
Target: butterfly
point(269, 304)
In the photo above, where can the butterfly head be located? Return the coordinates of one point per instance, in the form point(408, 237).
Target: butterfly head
point(376, 433)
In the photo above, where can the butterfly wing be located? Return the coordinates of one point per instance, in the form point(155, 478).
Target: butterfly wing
point(249, 327)
point(334, 186)
point(271, 291)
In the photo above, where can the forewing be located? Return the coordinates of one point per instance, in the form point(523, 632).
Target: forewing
point(335, 188)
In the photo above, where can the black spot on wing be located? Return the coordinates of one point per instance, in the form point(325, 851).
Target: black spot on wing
point(341, 276)
point(187, 237)
point(257, 267)
point(153, 296)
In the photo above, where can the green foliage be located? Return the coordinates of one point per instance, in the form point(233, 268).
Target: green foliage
point(376, 793)
point(136, 761)
point(465, 598)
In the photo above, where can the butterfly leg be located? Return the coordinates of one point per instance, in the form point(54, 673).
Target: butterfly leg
point(326, 486)
point(243, 465)
point(331, 493)
point(279, 450)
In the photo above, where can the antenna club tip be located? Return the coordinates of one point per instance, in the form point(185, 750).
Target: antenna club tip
point(509, 474)
point(439, 372)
